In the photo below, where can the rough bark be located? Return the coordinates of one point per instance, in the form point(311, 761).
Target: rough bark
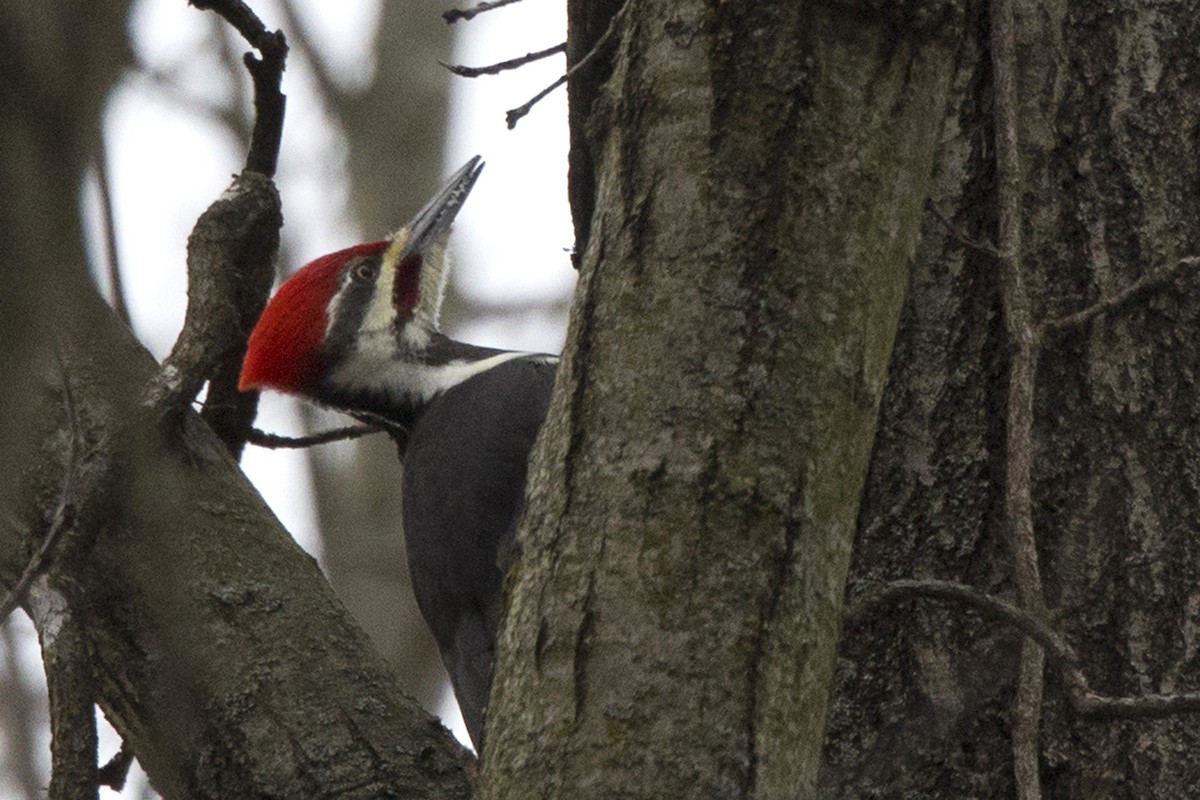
point(220, 653)
point(924, 706)
point(760, 172)
point(55, 83)
point(53, 89)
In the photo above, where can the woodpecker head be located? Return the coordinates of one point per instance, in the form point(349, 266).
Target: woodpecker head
point(358, 329)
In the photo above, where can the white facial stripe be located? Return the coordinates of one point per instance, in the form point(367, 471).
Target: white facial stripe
point(432, 285)
point(373, 371)
point(380, 313)
point(334, 311)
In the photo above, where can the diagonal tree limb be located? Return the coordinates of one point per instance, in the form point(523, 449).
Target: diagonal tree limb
point(1147, 284)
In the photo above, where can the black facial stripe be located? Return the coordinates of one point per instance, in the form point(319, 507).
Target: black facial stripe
point(352, 300)
point(442, 350)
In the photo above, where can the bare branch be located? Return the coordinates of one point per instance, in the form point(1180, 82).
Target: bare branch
point(454, 15)
point(515, 114)
point(64, 512)
point(501, 66)
point(1156, 281)
point(230, 256)
point(274, 441)
point(231, 251)
point(1083, 700)
point(266, 72)
point(1027, 623)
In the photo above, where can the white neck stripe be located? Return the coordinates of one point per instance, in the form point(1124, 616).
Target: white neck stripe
point(416, 382)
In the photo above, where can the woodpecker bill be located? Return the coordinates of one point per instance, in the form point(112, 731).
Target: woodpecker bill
point(357, 330)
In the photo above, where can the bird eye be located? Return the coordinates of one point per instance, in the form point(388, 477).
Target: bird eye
point(365, 272)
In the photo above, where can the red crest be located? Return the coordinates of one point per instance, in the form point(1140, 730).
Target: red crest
point(284, 351)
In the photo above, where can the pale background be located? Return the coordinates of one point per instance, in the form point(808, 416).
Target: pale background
point(167, 162)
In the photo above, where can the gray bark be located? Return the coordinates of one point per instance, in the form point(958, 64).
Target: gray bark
point(924, 701)
point(218, 651)
point(673, 614)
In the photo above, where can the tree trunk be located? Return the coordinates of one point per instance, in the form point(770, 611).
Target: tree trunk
point(673, 615)
point(1109, 113)
point(760, 174)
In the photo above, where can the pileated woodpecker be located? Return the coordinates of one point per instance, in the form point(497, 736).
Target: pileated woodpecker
point(357, 330)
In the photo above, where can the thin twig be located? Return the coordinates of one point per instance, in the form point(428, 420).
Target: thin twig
point(501, 66)
point(230, 254)
point(243, 19)
point(1018, 481)
point(1140, 288)
point(266, 72)
point(109, 218)
point(454, 15)
point(1028, 623)
point(64, 511)
point(1083, 700)
point(1151, 706)
point(274, 441)
point(515, 114)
